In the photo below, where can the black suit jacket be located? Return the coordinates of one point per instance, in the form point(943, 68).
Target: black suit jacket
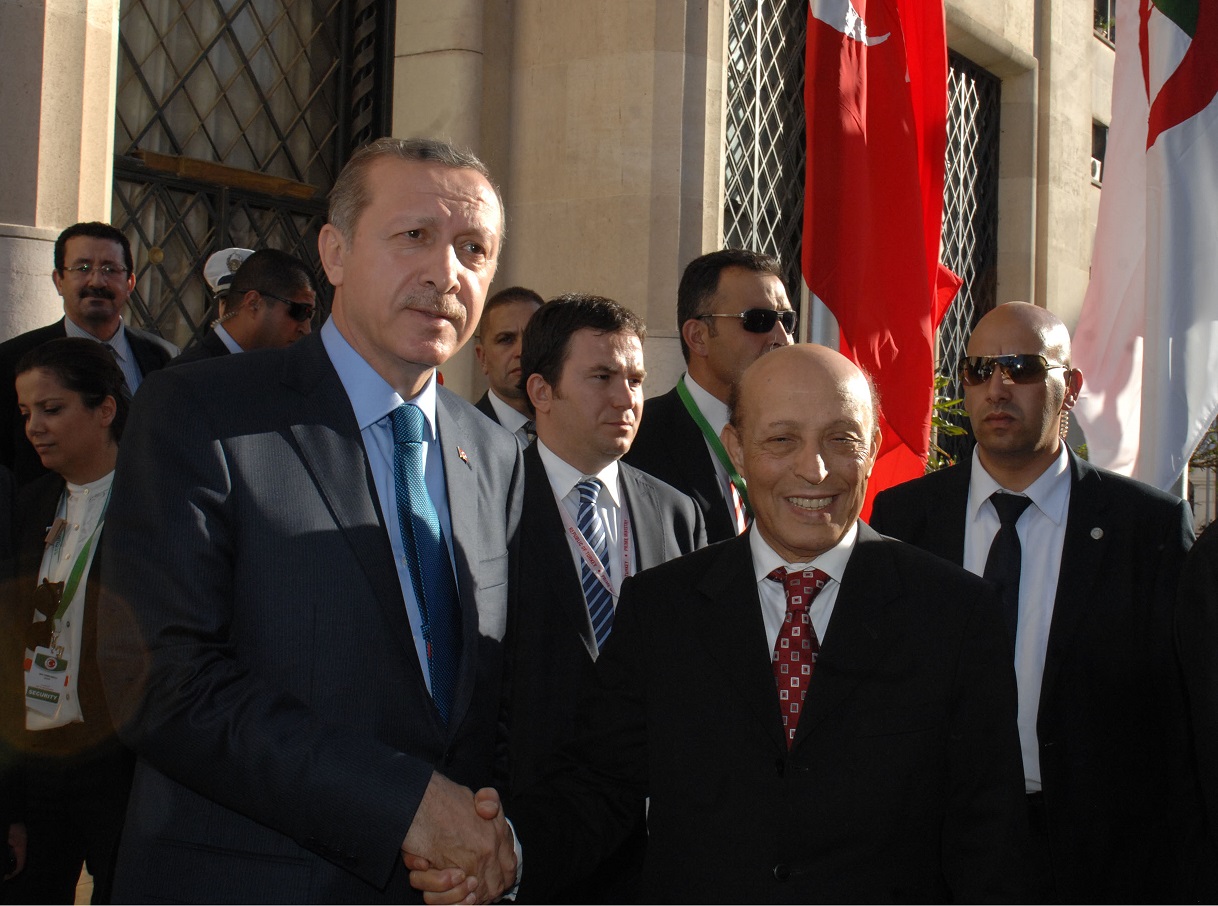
point(484, 406)
point(150, 351)
point(210, 347)
point(1196, 632)
point(903, 783)
point(254, 642)
point(670, 446)
point(552, 643)
point(1118, 786)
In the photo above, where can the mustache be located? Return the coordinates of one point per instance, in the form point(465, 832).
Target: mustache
point(98, 292)
point(435, 303)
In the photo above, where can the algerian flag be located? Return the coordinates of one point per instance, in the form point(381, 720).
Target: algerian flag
point(1147, 340)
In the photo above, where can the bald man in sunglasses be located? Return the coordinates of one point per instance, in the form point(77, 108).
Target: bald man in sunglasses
point(1087, 595)
point(732, 308)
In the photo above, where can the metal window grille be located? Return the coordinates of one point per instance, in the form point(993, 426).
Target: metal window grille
point(765, 142)
point(267, 88)
point(970, 214)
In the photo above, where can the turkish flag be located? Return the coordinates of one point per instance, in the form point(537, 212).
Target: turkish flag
point(876, 99)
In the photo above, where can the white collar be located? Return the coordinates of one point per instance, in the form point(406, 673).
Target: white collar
point(1050, 491)
point(833, 561)
point(564, 476)
point(713, 409)
point(508, 417)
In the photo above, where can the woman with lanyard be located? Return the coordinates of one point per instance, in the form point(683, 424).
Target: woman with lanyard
point(70, 776)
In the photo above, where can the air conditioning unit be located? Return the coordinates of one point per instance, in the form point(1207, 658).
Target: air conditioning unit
point(1097, 171)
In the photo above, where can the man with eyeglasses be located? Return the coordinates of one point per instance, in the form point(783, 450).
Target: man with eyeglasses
point(94, 273)
point(268, 304)
point(1087, 562)
point(732, 308)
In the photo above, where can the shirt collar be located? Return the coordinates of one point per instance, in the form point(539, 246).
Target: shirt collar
point(713, 409)
point(508, 417)
point(227, 339)
point(1050, 492)
point(564, 476)
point(371, 396)
point(833, 561)
point(118, 342)
point(95, 487)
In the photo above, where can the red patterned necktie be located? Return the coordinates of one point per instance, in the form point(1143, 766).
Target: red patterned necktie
point(797, 646)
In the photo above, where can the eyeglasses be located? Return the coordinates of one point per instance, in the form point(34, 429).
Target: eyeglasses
point(106, 270)
point(762, 320)
point(1019, 368)
point(297, 311)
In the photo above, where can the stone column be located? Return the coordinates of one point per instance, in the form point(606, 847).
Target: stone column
point(59, 80)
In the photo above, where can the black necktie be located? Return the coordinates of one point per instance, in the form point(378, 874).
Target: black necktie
point(1003, 563)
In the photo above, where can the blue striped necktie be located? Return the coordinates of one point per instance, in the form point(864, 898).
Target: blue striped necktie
point(600, 601)
point(431, 571)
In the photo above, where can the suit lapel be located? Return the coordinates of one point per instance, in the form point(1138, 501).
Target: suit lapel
point(859, 631)
point(547, 543)
point(647, 520)
point(1088, 527)
point(733, 633)
point(703, 478)
point(328, 441)
point(945, 536)
point(460, 479)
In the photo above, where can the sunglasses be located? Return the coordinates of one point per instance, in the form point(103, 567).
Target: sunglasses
point(297, 311)
point(1019, 368)
point(762, 320)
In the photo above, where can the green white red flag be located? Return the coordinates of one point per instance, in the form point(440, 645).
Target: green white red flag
point(1147, 339)
point(875, 94)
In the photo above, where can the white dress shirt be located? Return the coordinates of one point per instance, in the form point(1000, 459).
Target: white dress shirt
point(563, 479)
point(509, 418)
point(1042, 532)
point(714, 410)
point(774, 596)
point(227, 339)
point(82, 507)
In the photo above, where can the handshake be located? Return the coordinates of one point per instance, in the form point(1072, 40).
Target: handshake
point(459, 848)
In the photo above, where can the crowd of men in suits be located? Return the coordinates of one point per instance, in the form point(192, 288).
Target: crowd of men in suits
point(369, 642)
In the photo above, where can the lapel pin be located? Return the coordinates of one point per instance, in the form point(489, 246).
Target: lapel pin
point(1097, 533)
point(464, 458)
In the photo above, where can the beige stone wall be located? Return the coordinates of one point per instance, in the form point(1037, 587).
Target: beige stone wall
point(60, 66)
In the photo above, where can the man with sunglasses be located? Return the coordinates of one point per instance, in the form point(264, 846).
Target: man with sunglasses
point(269, 304)
point(1088, 599)
point(95, 275)
point(732, 308)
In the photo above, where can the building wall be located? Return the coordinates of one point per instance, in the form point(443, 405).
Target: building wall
point(604, 123)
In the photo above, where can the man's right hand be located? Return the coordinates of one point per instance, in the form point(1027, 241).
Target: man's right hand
point(453, 831)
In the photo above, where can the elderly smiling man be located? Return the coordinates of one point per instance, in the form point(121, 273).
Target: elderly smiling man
point(817, 714)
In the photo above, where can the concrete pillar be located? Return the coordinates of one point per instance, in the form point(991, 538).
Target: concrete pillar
point(58, 83)
point(1065, 224)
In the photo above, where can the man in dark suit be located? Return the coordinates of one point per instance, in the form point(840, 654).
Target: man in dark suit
point(268, 304)
point(889, 772)
point(95, 275)
point(310, 551)
point(582, 365)
point(731, 308)
point(1111, 792)
point(497, 347)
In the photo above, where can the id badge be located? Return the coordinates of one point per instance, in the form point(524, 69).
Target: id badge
point(46, 679)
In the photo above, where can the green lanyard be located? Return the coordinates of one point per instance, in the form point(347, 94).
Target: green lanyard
point(716, 444)
point(78, 568)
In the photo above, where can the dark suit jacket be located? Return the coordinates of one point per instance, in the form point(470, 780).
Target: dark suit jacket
point(1112, 727)
point(150, 351)
point(1196, 634)
point(255, 645)
point(670, 446)
point(552, 642)
point(903, 783)
point(484, 406)
point(210, 347)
